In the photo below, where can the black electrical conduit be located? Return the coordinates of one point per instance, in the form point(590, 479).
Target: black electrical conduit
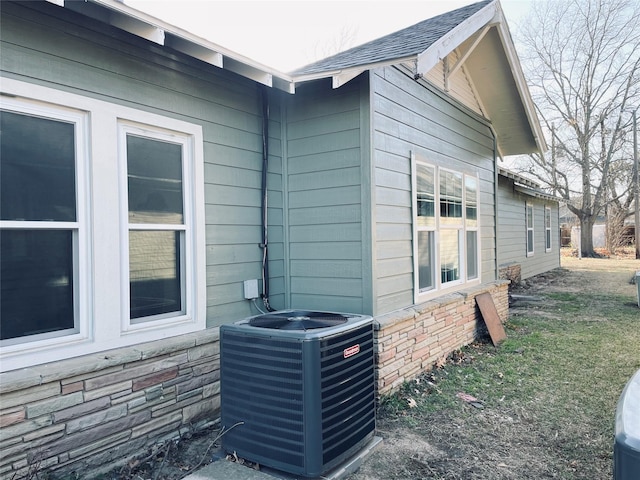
point(264, 98)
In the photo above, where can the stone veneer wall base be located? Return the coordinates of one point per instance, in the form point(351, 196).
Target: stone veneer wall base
point(411, 340)
point(93, 413)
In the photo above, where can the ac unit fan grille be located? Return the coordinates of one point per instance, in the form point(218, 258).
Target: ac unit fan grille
point(298, 320)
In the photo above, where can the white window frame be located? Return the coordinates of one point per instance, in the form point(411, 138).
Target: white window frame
point(529, 220)
point(461, 227)
point(81, 247)
point(185, 141)
point(547, 230)
point(102, 263)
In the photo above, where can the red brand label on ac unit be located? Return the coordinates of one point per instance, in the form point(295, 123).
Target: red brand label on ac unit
point(351, 351)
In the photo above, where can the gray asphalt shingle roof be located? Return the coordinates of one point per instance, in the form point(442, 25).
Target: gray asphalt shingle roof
point(403, 43)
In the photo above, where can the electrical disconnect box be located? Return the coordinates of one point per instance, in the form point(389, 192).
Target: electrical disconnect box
point(251, 289)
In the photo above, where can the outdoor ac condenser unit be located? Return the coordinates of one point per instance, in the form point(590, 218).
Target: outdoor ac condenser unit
point(297, 389)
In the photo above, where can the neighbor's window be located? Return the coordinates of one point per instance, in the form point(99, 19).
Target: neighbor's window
point(547, 228)
point(40, 223)
point(156, 218)
point(529, 214)
point(446, 250)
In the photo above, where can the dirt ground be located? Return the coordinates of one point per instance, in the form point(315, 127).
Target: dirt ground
point(176, 459)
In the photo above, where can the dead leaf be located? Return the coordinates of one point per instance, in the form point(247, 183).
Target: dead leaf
point(412, 403)
point(441, 362)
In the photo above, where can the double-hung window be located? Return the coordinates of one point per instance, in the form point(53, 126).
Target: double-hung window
point(547, 229)
point(530, 237)
point(42, 221)
point(101, 226)
point(156, 222)
point(446, 224)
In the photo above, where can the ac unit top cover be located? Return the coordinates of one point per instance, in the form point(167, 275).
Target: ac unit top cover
point(300, 324)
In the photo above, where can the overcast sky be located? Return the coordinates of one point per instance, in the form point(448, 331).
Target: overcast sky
point(288, 34)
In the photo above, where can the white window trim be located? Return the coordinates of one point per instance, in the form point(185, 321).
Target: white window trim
point(531, 229)
point(548, 247)
point(101, 266)
point(439, 288)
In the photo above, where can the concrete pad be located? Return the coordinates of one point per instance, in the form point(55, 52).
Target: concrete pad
point(223, 469)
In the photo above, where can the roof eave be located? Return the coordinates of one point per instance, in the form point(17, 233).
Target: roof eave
point(138, 23)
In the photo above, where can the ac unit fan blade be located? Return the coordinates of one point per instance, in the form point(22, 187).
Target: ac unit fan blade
point(297, 320)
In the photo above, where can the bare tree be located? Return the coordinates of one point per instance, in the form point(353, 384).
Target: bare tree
point(343, 40)
point(582, 61)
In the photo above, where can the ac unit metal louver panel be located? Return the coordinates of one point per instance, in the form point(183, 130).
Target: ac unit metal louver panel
point(306, 398)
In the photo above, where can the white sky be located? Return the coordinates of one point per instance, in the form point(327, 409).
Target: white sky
point(287, 34)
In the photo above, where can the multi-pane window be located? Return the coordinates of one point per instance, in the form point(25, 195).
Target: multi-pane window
point(547, 228)
point(40, 222)
point(529, 219)
point(446, 236)
point(101, 226)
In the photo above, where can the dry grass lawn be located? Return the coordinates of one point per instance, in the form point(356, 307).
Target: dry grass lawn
point(546, 396)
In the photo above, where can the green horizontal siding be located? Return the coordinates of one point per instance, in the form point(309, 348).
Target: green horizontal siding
point(410, 117)
point(44, 44)
point(324, 201)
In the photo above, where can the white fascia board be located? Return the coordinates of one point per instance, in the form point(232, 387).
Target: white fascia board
point(60, 3)
point(343, 77)
point(449, 42)
point(340, 77)
point(195, 46)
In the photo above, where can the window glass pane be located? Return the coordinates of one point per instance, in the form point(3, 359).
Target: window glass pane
point(36, 282)
point(155, 272)
point(450, 197)
point(529, 241)
point(471, 194)
point(425, 260)
point(449, 256)
point(472, 254)
point(37, 169)
point(547, 217)
point(154, 170)
point(426, 196)
point(529, 216)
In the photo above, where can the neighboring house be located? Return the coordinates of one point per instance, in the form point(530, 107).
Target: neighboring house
point(528, 228)
point(136, 161)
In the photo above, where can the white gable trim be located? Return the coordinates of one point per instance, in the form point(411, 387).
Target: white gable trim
point(446, 44)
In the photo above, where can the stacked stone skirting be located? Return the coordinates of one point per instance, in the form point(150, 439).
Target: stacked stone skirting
point(91, 414)
point(411, 340)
